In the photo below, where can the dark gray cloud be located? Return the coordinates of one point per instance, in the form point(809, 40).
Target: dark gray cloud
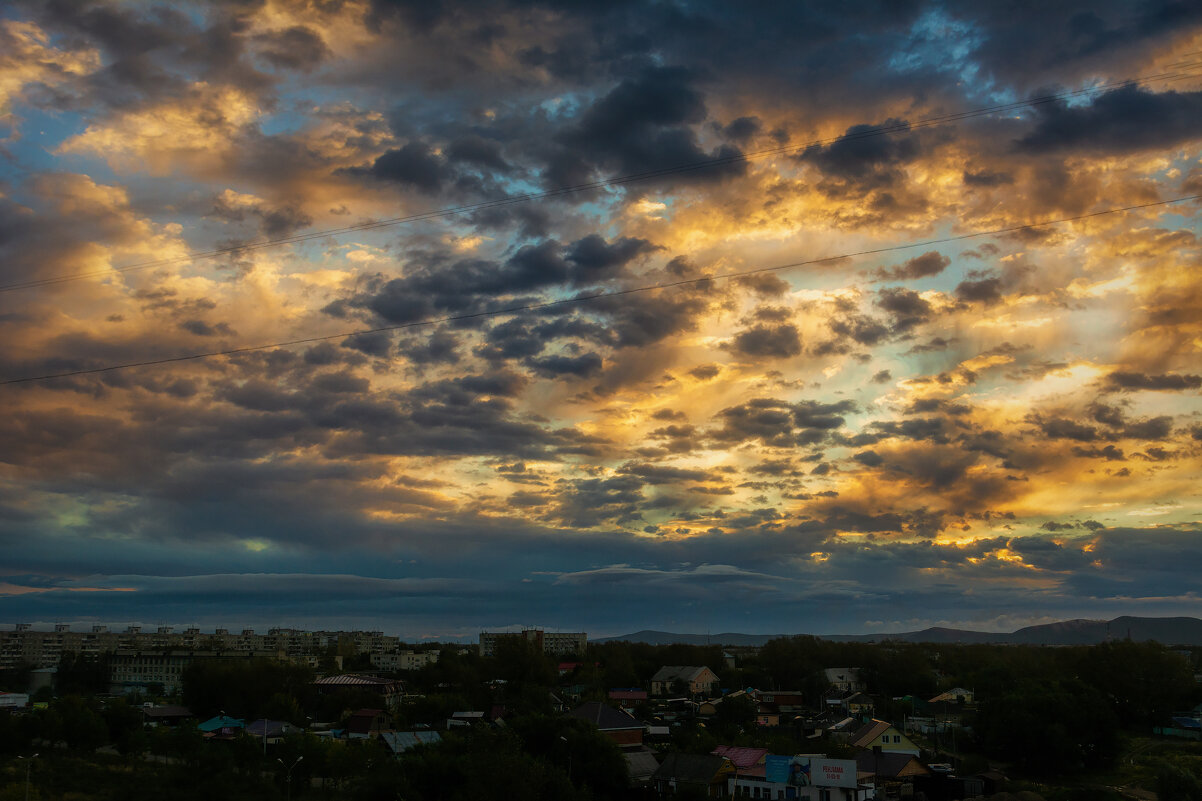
point(295, 48)
point(930, 263)
point(864, 156)
point(781, 424)
point(985, 290)
point(1165, 382)
point(646, 123)
point(907, 308)
point(1119, 121)
point(413, 164)
point(768, 341)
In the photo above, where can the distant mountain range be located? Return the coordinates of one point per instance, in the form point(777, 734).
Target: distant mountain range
point(1166, 630)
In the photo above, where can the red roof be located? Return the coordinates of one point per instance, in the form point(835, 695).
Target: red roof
point(355, 680)
point(742, 756)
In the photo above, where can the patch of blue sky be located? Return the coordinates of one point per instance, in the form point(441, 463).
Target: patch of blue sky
point(1180, 216)
point(937, 42)
point(565, 106)
point(35, 135)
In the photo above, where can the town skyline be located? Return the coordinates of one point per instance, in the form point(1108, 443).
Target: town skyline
point(685, 317)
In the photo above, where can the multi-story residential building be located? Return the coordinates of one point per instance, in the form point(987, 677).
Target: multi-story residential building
point(555, 642)
point(44, 649)
point(403, 660)
point(138, 670)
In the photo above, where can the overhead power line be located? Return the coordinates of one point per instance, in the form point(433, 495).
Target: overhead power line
point(591, 297)
point(1183, 70)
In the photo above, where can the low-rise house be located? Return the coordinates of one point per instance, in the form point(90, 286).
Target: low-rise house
point(890, 770)
point(387, 689)
point(710, 708)
point(628, 695)
point(641, 764)
point(767, 714)
point(844, 679)
point(884, 734)
point(14, 700)
point(467, 717)
point(844, 729)
point(859, 704)
point(747, 761)
point(367, 723)
point(706, 773)
point(164, 715)
point(787, 701)
point(613, 723)
point(401, 741)
point(956, 695)
point(693, 680)
point(271, 732)
point(222, 726)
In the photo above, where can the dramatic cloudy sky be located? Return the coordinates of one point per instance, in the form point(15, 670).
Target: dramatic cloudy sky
point(925, 419)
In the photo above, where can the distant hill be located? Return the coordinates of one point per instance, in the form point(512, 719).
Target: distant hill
point(1166, 630)
point(668, 638)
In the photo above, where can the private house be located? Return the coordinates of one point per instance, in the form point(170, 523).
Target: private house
point(628, 695)
point(401, 741)
point(858, 704)
point(164, 715)
point(271, 732)
point(641, 764)
point(956, 695)
point(389, 690)
point(844, 679)
point(768, 714)
point(710, 707)
point(778, 708)
point(747, 761)
point(613, 723)
point(890, 771)
point(14, 700)
point(367, 723)
point(222, 726)
point(693, 680)
point(787, 701)
point(883, 734)
point(703, 773)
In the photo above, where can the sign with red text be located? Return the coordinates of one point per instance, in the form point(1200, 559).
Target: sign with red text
point(833, 772)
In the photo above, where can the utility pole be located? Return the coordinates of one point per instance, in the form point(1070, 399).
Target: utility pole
point(288, 776)
point(28, 764)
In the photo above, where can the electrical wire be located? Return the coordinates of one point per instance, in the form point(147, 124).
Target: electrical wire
point(591, 297)
point(1182, 71)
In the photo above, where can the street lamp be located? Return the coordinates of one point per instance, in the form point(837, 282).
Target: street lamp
point(28, 765)
point(288, 776)
point(569, 747)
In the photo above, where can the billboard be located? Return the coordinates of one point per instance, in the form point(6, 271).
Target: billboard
point(804, 771)
point(833, 772)
point(777, 768)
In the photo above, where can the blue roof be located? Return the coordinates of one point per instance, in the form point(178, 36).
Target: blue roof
point(221, 722)
point(400, 741)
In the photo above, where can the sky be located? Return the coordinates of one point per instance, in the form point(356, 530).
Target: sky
point(818, 317)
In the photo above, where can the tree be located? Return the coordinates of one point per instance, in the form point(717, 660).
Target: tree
point(1177, 784)
point(1050, 728)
